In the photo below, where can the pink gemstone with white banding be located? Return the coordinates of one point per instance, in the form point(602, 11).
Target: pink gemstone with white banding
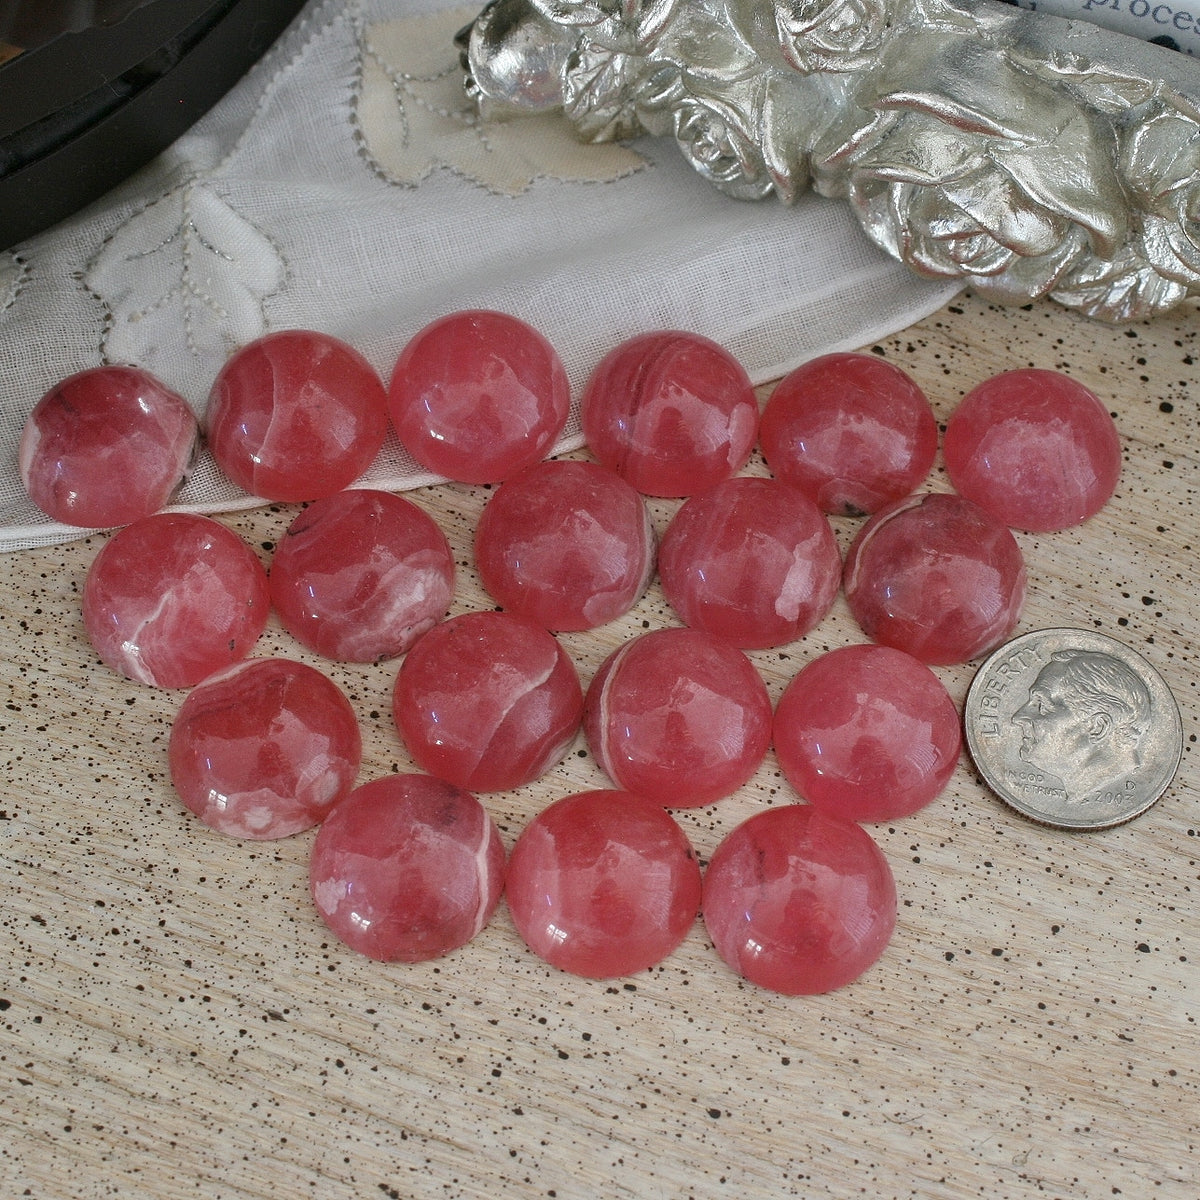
point(936, 576)
point(296, 415)
point(678, 716)
point(1035, 449)
point(753, 561)
point(174, 597)
point(568, 544)
point(489, 701)
point(360, 575)
point(264, 749)
point(673, 413)
point(603, 884)
point(799, 902)
point(852, 431)
point(867, 733)
point(106, 447)
point(407, 868)
point(477, 396)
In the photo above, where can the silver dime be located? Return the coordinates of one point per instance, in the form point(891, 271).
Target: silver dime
point(1073, 728)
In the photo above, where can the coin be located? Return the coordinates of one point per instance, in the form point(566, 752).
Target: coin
point(1073, 728)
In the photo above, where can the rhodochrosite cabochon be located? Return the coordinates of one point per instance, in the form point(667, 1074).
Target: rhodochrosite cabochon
point(603, 883)
point(1036, 449)
point(489, 701)
point(174, 597)
point(106, 447)
point(478, 396)
point(851, 431)
point(673, 413)
point(798, 901)
point(568, 544)
point(360, 575)
point(936, 576)
point(678, 716)
point(296, 415)
point(867, 733)
point(265, 748)
point(407, 868)
point(752, 561)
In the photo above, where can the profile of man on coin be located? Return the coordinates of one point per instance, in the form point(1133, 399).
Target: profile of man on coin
point(1072, 728)
point(1084, 721)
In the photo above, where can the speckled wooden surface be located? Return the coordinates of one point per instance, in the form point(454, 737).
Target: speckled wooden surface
point(177, 1022)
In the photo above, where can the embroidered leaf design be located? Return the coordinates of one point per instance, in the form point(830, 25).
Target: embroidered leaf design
point(596, 96)
point(184, 281)
point(414, 117)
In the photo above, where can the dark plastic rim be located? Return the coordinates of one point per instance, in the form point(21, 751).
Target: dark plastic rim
point(188, 55)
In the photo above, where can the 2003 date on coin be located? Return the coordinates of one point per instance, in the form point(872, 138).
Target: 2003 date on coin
point(1073, 729)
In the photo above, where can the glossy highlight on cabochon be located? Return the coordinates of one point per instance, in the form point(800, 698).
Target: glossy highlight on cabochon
point(174, 597)
point(798, 901)
point(361, 575)
point(106, 447)
point(407, 868)
point(603, 883)
point(673, 413)
point(264, 748)
point(296, 415)
point(477, 396)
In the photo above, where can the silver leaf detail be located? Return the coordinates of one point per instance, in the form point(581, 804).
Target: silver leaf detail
point(414, 117)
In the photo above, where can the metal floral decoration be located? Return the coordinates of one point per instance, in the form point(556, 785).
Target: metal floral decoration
point(1026, 154)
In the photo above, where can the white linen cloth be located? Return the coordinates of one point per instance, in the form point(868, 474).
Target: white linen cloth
point(344, 185)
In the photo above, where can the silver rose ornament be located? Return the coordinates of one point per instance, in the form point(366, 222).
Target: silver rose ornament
point(1025, 154)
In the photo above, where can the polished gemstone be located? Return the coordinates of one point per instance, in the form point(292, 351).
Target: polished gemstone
point(936, 576)
point(798, 901)
point(360, 575)
point(568, 544)
point(296, 415)
point(106, 447)
point(679, 716)
point(1035, 449)
point(489, 701)
point(174, 597)
point(852, 431)
point(673, 413)
point(603, 884)
point(867, 733)
point(264, 748)
point(477, 396)
point(753, 561)
point(407, 868)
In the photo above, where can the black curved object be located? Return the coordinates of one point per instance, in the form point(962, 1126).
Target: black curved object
point(88, 101)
